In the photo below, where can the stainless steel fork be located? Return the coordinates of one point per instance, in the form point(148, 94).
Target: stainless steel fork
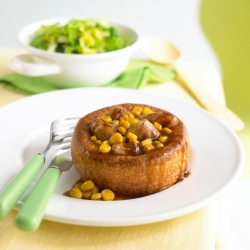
point(61, 132)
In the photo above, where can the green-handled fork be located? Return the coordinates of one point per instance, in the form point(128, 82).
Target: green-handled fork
point(61, 132)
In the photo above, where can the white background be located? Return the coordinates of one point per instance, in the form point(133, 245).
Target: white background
point(175, 20)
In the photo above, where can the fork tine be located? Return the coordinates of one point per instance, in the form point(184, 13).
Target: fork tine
point(63, 128)
point(62, 131)
point(64, 125)
point(62, 136)
point(67, 140)
point(65, 146)
point(61, 121)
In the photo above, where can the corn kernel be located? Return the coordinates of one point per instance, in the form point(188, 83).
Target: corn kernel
point(76, 193)
point(86, 194)
point(148, 148)
point(123, 117)
point(122, 130)
point(166, 131)
point(133, 121)
point(93, 138)
point(95, 190)
point(99, 142)
point(157, 126)
point(87, 185)
point(155, 142)
point(159, 145)
point(115, 138)
point(106, 118)
point(96, 196)
point(116, 123)
point(146, 110)
point(106, 142)
point(130, 135)
point(134, 141)
point(131, 116)
point(78, 185)
point(125, 124)
point(137, 111)
point(163, 139)
point(105, 148)
point(145, 142)
point(107, 195)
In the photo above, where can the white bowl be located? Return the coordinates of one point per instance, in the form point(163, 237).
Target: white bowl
point(73, 70)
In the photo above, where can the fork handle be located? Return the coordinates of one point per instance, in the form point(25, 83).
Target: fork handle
point(31, 212)
point(17, 187)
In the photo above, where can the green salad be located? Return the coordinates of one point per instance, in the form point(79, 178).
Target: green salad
point(78, 37)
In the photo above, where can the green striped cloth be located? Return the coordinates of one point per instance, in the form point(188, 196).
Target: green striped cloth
point(137, 74)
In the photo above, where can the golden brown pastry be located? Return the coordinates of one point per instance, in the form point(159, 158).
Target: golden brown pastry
point(143, 157)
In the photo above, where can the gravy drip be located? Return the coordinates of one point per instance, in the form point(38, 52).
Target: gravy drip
point(180, 179)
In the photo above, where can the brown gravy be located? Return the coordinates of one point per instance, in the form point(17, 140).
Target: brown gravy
point(180, 179)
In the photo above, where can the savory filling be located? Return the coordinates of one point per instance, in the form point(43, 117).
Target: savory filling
point(131, 132)
point(128, 133)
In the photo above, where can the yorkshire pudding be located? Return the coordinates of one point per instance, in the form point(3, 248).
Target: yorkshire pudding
point(134, 172)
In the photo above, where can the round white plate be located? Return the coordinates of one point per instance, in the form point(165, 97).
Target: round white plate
point(216, 156)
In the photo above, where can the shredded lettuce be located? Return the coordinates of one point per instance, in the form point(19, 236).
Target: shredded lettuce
point(78, 37)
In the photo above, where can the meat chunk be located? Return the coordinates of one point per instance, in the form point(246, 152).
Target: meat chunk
point(123, 148)
point(97, 121)
point(116, 112)
point(144, 129)
point(104, 131)
point(164, 119)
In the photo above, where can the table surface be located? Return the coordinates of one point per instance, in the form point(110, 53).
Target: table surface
point(197, 230)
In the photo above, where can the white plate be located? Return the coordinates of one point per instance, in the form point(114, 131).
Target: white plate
point(216, 156)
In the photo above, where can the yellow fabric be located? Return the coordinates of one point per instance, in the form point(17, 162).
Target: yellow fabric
point(195, 231)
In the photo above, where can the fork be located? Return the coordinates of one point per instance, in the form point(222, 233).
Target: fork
point(61, 131)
